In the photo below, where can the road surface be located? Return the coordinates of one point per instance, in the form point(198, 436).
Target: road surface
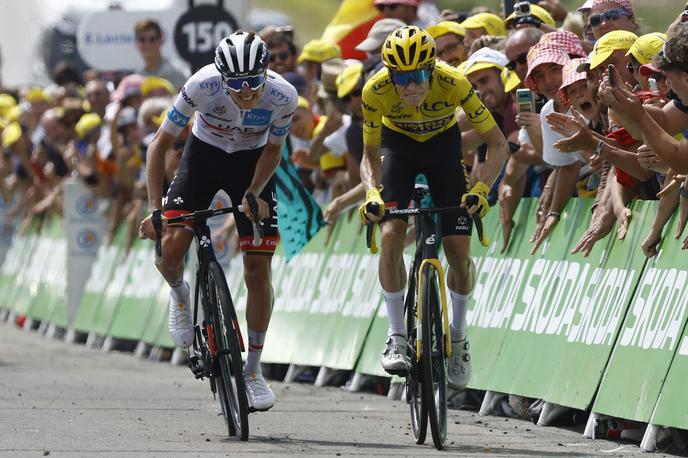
point(67, 400)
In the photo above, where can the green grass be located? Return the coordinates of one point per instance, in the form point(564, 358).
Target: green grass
point(310, 18)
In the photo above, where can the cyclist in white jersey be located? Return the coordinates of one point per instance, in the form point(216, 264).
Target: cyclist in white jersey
point(242, 112)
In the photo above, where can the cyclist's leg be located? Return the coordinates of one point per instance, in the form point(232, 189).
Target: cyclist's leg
point(188, 192)
point(398, 174)
point(257, 272)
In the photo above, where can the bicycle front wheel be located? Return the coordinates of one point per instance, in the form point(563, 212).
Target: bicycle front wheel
point(229, 366)
point(433, 357)
point(414, 387)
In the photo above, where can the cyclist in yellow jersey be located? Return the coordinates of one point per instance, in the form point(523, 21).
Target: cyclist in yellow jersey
point(409, 110)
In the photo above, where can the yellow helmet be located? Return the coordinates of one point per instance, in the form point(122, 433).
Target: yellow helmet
point(408, 48)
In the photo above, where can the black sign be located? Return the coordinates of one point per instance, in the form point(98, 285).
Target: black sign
point(198, 32)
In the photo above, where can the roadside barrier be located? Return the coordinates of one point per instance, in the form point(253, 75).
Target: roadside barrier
point(606, 333)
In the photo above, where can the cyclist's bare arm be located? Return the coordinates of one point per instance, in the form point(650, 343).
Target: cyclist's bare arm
point(371, 167)
point(497, 154)
point(155, 172)
point(155, 166)
point(268, 162)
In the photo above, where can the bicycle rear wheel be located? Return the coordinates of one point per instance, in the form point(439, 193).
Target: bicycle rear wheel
point(231, 386)
point(434, 361)
point(419, 409)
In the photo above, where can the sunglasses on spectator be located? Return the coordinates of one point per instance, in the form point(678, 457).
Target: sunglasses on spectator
point(608, 16)
point(633, 66)
point(449, 48)
point(253, 82)
point(522, 59)
point(418, 76)
point(381, 8)
point(147, 39)
point(283, 55)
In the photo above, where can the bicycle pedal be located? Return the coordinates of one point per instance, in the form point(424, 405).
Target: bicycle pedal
point(197, 367)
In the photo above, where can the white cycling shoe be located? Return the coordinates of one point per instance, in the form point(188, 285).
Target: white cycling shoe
point(459, 367)
point(181, 321)
point(394, 359)
point(260, 396)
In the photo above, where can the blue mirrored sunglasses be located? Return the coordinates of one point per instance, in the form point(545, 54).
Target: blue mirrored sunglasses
point(405, 78)
point(253, 82)
point(611, 15)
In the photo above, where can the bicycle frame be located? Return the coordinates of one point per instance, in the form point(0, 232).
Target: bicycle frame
point(426, 254)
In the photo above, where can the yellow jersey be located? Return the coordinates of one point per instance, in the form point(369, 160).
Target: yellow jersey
point(449, 90)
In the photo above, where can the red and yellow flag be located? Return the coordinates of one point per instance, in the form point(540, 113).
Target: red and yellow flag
point(350, 26)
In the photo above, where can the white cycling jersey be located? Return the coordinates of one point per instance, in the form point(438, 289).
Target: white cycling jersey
point(219, 122)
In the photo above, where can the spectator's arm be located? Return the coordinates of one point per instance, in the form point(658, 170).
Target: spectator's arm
point(509, 195)
point(665, 209)
point(527, 155)
point(625, 160)
point(497, 154)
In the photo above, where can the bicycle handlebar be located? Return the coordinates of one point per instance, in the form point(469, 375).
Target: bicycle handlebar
point(202, 215)
point(373, 208)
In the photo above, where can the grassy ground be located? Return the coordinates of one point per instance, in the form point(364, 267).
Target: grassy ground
point(310, 18)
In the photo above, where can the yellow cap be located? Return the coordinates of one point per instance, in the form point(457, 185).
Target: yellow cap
point(537, 11)
point(612, 41)
point(86, 124)
point(329, 161)
point(37, 94)
point(349, 79)
point(11, 135)
point(7, 102)
point(493, 24)
point(510, 80)
point(647, 46)
point(319, 51)
point(303, 103)
point(445, 27)
point(14, 113)
point(151, 83)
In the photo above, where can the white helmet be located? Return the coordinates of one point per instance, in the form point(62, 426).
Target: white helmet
point(242, 54)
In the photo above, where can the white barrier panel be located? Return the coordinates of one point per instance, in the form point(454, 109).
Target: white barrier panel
point(85, 227)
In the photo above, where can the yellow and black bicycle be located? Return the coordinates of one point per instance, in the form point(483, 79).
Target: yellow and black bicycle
point(427, 321)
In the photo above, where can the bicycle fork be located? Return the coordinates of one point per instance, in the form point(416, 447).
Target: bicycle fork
point(435, 263)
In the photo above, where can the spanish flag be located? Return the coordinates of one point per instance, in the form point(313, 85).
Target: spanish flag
point(350, 26)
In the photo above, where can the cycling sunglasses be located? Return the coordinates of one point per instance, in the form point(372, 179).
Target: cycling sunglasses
point(418, 76)
point(611, 15)
point(253, 82)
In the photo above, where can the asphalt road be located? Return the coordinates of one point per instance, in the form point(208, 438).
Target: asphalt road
point(68, 400)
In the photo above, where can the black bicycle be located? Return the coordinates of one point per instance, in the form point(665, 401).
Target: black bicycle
point(218, 343)
point(427, 320)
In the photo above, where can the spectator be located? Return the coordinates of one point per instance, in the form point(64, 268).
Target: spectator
point(449, 36)
point(538, 18)
point(282, 54)
point(403, 10)
point(149, 40)
point(516, 49)
point(643, 50)
point(314, 53)
point(585, 10)
point(373, 44)
point(483, 28)
point(610, 15)
point(153, 86)
point(612, 48)
point(98, 96)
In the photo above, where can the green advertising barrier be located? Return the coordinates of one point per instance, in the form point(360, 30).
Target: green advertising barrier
point(15, 260)
point(560, 313)
point(141, 286)
point(671, 409)
point(52, 286)
point(29, 279)
point(159, 307)
point(115, 286)
point(98, 280)
point(650, 334)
